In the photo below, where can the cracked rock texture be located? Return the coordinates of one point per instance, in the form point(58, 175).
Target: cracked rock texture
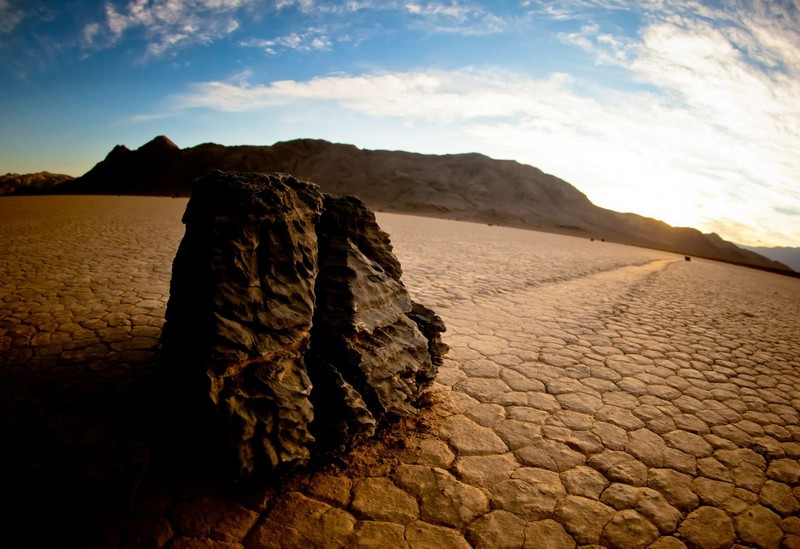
point(287, 314)
point(593, 394)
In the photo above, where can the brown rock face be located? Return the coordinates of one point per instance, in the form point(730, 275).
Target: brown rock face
point(288, 321)
point(365, 347)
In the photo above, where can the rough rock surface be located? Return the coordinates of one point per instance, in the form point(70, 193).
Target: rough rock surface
point(368, 356)
point(286, 305)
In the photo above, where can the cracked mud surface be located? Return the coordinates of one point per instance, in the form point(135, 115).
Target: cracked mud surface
point(594, 394)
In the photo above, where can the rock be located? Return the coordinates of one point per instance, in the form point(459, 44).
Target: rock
point(674, 486)
point(420, 534)
point(759, 527)
point(712, 492)
point(620, 467)
point(779, 498)
point(583, 518)
point(708, 528)
point(747, 468)
point(646, 446)
point(213, 517)
point(299, 521)
point(584, 481)
point(689, 443)
point(784, 470)
point(620, 496)
point(791, 541)
point(547, 533)
point(530, 493)
point(431, 325)
point(433, 453)
point(791, 525)
point(667, 542)
point(379, 499)
point(469, 438)
point(485, 471)
point(518, 434)
point(241, 303)
point(713, 469)
point(550, 454)
point(497, 529)
point(334, 490)
point(628, 529)
point(379, 535)
point(363, 344)
point(287, 305)
point(655, 508)
point(418, 479)
point(452, 503)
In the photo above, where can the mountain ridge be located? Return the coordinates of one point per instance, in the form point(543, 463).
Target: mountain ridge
point(467, 187)
point(784, 254)
point(31, 183)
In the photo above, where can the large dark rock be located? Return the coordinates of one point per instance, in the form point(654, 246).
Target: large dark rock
point(288, 320)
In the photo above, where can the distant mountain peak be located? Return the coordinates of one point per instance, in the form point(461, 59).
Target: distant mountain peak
point(159, 144)
point(31, 183)
point(467, 187)
point(117, 151)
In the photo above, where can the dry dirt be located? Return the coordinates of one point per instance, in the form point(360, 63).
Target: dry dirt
point(594, 394)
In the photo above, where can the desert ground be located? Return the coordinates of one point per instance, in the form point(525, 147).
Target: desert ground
point(594, 394)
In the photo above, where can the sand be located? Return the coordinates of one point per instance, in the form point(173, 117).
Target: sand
point(594, 394)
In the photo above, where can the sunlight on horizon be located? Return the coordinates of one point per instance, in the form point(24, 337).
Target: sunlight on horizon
point(687, 112)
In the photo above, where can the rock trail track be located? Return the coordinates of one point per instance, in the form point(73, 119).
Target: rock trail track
point(594, 395)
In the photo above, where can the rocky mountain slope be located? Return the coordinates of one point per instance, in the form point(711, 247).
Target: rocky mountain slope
point(470, 187)
point(785, 254)
point(30, 183)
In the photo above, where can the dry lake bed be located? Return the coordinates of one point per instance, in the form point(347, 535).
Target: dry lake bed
point(594, 394)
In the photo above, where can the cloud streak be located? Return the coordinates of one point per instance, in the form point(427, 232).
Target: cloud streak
point(695, 108)
point(642, 147)
point(712, 139)
point(166, 24)
point(313, 39)
point(455, 17)
point(10, 17)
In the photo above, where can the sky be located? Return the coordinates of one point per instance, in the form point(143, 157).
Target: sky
point(681, 110)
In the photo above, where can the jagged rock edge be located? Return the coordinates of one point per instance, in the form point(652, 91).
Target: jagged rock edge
point(289, 445)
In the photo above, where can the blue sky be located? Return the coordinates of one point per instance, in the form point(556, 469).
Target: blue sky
point(681, 110)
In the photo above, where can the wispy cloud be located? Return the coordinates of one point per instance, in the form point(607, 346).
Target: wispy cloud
point(167, 24)
point(702, 120)
point(456, 17)
point(328, 7)
point(734, 70)
point(313, 39)
point(10, 17)
point(606, 47)
point(712, 141)
point(454, 10)
point(429, 95)
point(303, 5)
